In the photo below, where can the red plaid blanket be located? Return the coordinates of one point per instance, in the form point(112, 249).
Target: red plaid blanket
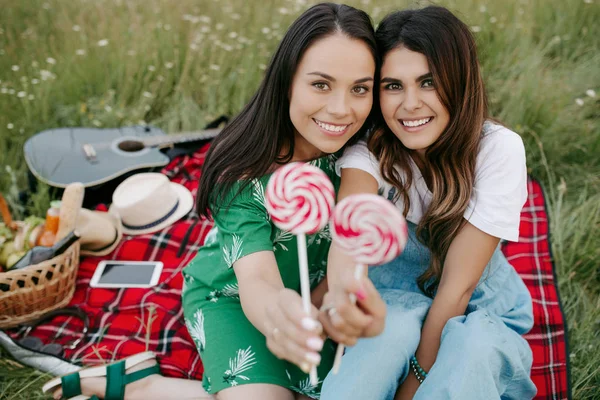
point(128, 321)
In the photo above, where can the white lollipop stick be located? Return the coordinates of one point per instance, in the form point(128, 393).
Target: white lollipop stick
point(305, 291)
point(358, 272)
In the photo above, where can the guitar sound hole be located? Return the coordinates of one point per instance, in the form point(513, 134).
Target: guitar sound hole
point(131, 145)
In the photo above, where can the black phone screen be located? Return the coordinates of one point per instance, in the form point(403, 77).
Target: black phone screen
point(116, 273)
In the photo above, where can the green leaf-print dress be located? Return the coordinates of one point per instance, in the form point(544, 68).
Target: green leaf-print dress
point(233, 351)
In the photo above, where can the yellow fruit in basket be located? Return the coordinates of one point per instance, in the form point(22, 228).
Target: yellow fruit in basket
point(7, 249)
point(13, 258)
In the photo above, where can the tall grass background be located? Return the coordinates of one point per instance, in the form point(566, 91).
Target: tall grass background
point(179, 64)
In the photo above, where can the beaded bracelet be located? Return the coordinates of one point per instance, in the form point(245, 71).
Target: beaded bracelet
point(417, 370)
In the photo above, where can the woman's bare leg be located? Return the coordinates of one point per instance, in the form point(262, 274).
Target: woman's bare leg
point(157, 387)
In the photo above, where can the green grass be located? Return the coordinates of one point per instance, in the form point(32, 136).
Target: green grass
point(177, 65)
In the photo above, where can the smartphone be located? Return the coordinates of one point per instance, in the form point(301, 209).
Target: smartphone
point(126, 274)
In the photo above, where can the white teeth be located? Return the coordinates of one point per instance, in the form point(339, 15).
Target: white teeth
point(416, 123)
point(331, 128)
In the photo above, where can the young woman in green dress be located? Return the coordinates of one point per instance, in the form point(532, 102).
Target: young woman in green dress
point(241, 297)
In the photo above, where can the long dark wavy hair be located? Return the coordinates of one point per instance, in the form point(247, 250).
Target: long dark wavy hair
point(263, 134)
point(450, 162)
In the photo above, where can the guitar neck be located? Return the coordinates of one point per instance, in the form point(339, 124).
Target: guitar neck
point(182, 137)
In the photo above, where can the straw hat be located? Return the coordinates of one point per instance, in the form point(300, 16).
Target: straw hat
point(99, 232)
point(149, 202)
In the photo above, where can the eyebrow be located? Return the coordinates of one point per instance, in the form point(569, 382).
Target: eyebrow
point(419, 79)
point(332, 79)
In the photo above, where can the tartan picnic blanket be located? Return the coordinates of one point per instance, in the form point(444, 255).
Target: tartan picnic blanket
point(128, 321)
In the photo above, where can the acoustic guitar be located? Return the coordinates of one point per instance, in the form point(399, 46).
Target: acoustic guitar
point(93, 157)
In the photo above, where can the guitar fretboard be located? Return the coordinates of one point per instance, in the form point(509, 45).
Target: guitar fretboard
point(182, 137)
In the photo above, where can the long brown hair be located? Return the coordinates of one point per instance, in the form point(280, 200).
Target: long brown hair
point(450, 161)
point(262, 133)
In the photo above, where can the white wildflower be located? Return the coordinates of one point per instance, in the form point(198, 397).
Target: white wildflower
point(283, 11)
point(169, 65)
point(21, 94)
point(10, 126)
point(205, 29)
point(483, 9)
point(493, 20)
point(107, 108)
point(103, 42)
point(214, 67)
point(587, 1)
point(265, 30)
point(50, 60)
point(591, 93)
point(167, 27)
point(11, 91)
point(579, 101)
point(476, 29)
point(147, 95)
point(151, 68)
point(262, 67)
point(15, 68)
point(30, 97)
point(35, 81)
point(45, 75)
point(4, 90)
point(219, 26)
point(233, 35)
point(80, 52)
point(76, 28)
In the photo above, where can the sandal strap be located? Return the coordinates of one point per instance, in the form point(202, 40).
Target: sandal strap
point(141, 374)
point(71, 385)
point(115, 384)
point(117, 379)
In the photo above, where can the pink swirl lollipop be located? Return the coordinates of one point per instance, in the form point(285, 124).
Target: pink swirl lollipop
point(299, 198)
point(372, 231)
point(369, 228)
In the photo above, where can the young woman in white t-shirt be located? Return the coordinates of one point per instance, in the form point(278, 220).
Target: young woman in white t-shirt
point(456, 307)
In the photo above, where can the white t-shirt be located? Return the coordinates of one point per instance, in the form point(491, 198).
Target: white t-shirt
point(499, 192)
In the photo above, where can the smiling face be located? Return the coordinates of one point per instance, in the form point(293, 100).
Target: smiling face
point(331, 95)
point(409, 101)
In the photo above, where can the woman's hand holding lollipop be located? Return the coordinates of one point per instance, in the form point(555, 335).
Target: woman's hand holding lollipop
point(372, 231)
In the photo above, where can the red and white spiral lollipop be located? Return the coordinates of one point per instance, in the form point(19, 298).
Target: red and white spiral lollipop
point(299, 198)
point(372, 231)
point(369, 228)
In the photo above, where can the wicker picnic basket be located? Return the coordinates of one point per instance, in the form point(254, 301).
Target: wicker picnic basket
point(29, 293)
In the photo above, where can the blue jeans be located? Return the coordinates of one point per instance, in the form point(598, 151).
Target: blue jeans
point(482, 355)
